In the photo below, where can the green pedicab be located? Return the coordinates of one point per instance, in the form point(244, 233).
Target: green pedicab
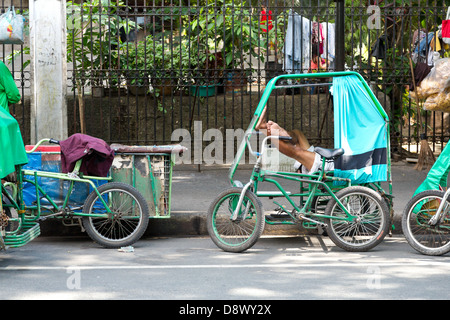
point(426, 217)
point(114, 214)
point(357, 210)
point(13, 154)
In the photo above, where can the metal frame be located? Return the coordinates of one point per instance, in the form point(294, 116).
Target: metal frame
point(312, 181)
point(28, 227)
point(272, 86)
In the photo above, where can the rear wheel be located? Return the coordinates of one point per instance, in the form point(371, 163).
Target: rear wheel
point(368, 224)
point(240, 234)
point(127, 221)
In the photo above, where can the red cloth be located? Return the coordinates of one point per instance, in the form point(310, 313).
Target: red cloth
point(266, 20)
point(445, 29)
point(96, 153)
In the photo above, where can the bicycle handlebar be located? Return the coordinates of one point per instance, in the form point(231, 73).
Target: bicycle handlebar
point(41, 142)
point(263, 143)
point(54, 141)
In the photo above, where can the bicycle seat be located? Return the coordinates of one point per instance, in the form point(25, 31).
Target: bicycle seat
point(329, 153)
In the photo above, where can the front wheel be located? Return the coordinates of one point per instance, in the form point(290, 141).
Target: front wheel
point(433, 240)
point(367, 224)
point(235, 234)
point(127, 221)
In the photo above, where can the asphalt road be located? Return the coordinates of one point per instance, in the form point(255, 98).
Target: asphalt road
point(175, 268)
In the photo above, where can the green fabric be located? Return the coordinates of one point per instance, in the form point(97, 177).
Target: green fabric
point(8, 90)
point(437, 176)
point(12, 150)
point(11, 144)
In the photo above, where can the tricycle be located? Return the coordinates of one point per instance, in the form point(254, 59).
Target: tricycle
point(349, 202)
point(114, 214)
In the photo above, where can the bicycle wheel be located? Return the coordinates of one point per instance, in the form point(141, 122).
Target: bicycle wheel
point(427, 239)
point(370, 222)
point(242, 233)
point(129, 218)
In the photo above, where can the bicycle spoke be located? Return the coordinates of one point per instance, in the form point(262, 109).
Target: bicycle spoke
point(426, 238)
point(365, 222)
point(235, 234)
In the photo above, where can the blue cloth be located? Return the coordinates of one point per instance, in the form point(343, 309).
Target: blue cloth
point(423, 45)
point(297, 43)
point(360, 130)
point(55, 188)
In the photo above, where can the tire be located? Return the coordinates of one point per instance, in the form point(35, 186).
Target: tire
point(426, 239)
point(369, 227)
point(116, 230)
point(238, 235)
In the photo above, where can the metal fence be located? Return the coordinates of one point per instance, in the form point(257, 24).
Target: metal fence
point(140, 70)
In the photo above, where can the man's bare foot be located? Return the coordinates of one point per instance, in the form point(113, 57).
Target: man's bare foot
point(262, 122)
point(274, 129)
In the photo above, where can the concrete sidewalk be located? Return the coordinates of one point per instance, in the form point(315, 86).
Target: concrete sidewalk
point(194, 190)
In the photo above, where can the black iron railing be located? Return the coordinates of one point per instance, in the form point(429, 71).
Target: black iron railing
point(149, 72)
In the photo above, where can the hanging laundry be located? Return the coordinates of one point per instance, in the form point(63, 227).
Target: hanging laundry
point(329, 40)
point(317, 36)
point(420, 52)
point(380, 47)
point(418, 36)
point(445, 31)
point(297, 43)
point(436, 43)
point(444, 44)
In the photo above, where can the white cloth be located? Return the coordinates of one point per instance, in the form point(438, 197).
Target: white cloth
point(329, 165)
point(329, 35)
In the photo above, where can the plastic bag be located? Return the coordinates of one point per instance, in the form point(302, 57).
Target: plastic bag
point(11, 27)
point(439, 101)
point(436, 81)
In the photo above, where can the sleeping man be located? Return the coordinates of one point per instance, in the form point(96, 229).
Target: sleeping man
point(307, 161)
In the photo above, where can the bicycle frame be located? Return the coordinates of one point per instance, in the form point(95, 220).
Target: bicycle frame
point(313, 180)
point(317, 179)
point(439, 216)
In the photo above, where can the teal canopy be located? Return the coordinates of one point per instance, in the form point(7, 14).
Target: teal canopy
point(11, 144)
point(361, 130)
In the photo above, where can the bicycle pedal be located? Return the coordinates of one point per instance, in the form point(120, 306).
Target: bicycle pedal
point(280, 208)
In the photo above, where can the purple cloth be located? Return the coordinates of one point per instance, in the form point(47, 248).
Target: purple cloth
point(96, 153)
